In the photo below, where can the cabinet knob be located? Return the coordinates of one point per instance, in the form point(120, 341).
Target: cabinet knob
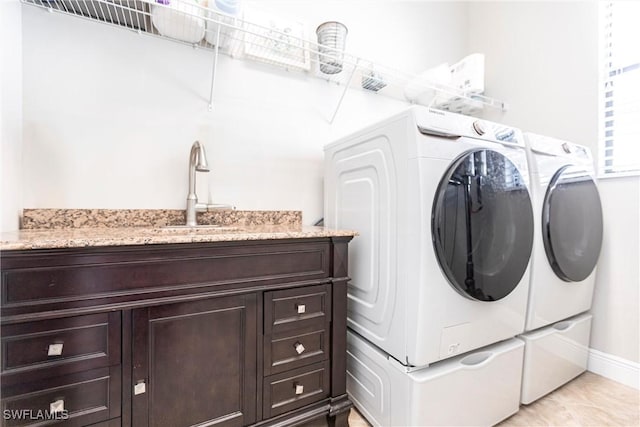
point(139, 388)
point(56, 406)
point(55, 349)
point(299, 388)
point(299, 347)
point(301, 308)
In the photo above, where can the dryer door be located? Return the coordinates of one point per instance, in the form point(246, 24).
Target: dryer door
point(572, 224)
point(482, 225)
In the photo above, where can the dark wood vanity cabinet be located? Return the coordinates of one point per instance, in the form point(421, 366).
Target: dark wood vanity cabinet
point(195, 362)
point(225, 333)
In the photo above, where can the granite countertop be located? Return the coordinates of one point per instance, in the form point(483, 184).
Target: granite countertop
point(96, 231)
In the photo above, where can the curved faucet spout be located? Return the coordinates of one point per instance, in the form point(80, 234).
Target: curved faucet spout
point(198, 156)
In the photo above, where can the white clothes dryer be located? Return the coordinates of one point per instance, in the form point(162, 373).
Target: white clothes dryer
point(445, 222)
point(568, 230)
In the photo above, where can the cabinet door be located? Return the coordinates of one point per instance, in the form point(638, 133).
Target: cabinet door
point(194, 363)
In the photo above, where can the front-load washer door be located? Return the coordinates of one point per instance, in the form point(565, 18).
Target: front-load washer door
point(482, 225)
point(572, 224)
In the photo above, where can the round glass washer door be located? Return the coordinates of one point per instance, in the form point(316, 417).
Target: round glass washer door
point(572, 224)
point(482, 225)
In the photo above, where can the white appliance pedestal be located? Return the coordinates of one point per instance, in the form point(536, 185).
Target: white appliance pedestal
point(481, 387)
point(554, 355)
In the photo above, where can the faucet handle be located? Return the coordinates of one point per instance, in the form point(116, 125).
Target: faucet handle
point(203, 207)
point(200, 207)
point(220, 206)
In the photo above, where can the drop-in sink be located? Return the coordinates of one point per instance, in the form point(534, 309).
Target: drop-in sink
point(198, 228)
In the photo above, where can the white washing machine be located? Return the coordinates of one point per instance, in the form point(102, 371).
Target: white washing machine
point(441, 202)
point(568, 230)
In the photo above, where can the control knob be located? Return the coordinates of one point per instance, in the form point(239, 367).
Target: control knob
point(479, 127)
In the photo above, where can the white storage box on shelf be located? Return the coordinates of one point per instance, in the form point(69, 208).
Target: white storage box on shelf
point(467, 78)
point(227, 13)
point(420, 89)
point(181, 20)
point(275, 40)
point(467, 74)
point(554, 355)
point(479, 388)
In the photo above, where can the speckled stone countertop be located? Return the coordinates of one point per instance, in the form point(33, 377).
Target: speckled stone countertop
point(39, 219)
point(88, 230)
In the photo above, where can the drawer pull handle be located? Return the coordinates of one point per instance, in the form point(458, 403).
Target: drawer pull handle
point(299, 347)
point(57, 406)
point(55, 350)
point(299, 388)
point(301, 308)
point(563, 326)
point(139, 388)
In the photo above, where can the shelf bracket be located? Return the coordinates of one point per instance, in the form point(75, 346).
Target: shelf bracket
point(214, 68)
point(344, 91)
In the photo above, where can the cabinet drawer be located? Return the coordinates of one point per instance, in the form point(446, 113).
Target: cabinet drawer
point(294, 349)
point(100, 276)
point(88, 397)
point(297, 308)
point(41, 349)
point(294, 389)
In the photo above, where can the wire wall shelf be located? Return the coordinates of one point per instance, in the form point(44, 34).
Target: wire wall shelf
point(283, 45)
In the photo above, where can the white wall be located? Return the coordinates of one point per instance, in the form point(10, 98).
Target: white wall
point(109, 115)
point(10, 114)
point(616, 323)
point(542, 58)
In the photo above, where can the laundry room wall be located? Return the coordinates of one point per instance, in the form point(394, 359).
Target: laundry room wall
point(542, 58)
point(617, 293)
point(110, 115)
point(10, 114)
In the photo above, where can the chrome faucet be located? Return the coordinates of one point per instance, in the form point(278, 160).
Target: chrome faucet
point(197, 162)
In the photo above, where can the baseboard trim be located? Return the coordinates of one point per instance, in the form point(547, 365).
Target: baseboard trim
point(615, 368)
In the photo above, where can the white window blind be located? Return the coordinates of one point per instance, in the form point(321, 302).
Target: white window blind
point(620, 83)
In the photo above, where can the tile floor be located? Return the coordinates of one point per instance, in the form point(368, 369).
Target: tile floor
point(589, 400)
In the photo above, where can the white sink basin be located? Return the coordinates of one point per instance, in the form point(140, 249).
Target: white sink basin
point(198, 228)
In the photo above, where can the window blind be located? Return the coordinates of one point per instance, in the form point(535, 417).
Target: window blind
point(620, 83)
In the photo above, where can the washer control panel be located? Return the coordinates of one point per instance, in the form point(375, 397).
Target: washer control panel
point(556, 147)
point(495, 131)
point(435, 122)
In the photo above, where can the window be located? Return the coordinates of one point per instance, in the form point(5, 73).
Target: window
point(620, 83)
